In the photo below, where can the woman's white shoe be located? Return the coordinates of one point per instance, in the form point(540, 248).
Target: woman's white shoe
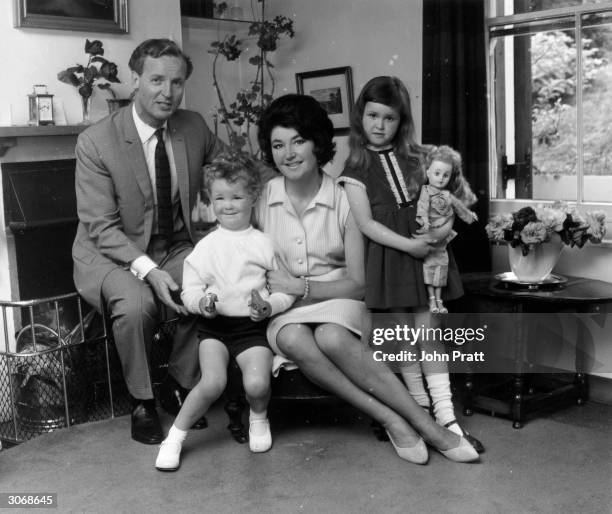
point(465, 452)
point(260, 438)
point(416, 454)
point(169, 456)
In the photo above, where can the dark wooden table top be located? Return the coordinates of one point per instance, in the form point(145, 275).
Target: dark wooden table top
point(575, 290)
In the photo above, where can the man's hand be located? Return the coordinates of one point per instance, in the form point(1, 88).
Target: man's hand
point(260, 309)
point(163, 285)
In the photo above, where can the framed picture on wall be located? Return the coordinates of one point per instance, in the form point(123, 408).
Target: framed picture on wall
point(333, 89)
point(87, 15)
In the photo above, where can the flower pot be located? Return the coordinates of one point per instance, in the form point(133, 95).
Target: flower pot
point(538, 263)
point(117, 103)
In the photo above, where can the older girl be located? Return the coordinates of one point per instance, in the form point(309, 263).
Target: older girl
point(382, 178)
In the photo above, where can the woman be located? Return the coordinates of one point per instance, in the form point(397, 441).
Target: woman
point(321, 248)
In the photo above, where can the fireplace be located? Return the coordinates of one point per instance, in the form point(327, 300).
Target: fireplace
point(41, 218)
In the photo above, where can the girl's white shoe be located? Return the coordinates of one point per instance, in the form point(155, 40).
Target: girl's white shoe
point(169, 456)
point(260, 438)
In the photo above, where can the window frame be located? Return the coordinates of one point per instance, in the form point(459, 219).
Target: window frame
point(510, 23)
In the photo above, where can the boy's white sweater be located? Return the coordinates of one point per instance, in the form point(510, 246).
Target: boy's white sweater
point(231, 263)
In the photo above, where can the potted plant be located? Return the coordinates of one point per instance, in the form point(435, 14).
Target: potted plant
point(97, 72)
point(241, 114)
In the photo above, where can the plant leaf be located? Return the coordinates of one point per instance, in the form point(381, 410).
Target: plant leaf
point(69, 78)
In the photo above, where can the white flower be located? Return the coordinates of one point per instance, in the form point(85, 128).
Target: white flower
point(551, 218)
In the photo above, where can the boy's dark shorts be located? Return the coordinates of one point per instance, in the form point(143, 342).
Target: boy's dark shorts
point(237, 334)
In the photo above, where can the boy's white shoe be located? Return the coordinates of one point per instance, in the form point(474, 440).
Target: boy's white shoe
point(260, 438)
point(169, 456)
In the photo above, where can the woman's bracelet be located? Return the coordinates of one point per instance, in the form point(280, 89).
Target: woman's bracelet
point(306, 287)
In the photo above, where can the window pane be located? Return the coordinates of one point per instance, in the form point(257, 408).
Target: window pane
point(597, 107)
point(534, 87)
point(554, 138)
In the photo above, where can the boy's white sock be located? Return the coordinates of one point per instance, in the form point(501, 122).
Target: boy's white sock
point(414, 383)
point(441, 397)
point(176, 435)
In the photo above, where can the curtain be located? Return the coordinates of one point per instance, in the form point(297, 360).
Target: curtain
point(455, 108)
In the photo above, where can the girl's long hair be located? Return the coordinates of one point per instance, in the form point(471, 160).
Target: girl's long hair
point(388, 91)
point(457, 184)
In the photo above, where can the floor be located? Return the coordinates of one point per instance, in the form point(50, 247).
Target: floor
point(325, 459)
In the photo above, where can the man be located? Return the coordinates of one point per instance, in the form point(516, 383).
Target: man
point(137, 176)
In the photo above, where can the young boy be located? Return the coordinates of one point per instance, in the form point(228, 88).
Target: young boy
point(224, 281)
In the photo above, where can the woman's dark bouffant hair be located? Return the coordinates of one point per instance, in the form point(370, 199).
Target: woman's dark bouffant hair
point(303, 114)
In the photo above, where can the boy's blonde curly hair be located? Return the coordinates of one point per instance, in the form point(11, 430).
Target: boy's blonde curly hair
point(234, 166)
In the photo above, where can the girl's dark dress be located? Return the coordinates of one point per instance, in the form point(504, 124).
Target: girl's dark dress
point(394, 279)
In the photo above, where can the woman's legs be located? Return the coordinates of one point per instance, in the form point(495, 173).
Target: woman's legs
point(297, 342)
point(346, 351)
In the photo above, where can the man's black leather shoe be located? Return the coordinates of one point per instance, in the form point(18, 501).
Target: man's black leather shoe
point(171, 398)
point(146, 428)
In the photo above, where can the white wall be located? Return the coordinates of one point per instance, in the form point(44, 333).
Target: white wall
point(35, 56)
point(374, 37)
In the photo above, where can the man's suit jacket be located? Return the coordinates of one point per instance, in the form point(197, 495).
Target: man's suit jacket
point(114, 193)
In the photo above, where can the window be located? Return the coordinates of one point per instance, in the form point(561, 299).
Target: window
point(550, 101)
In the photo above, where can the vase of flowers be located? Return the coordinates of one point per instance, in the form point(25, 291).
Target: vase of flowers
point(538, 263)
point(536, 236)
point(86, 77)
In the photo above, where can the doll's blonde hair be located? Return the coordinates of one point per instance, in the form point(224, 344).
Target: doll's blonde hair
point(457, 184)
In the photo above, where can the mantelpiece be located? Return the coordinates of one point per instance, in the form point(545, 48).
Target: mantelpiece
point(9, 136)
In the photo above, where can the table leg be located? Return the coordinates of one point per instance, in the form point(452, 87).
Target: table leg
point(468, 394)
point(580, 378)
point(517, 400)
point(519, 378)
point(582, 388)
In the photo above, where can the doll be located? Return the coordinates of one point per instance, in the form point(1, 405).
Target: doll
point(445, 194)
